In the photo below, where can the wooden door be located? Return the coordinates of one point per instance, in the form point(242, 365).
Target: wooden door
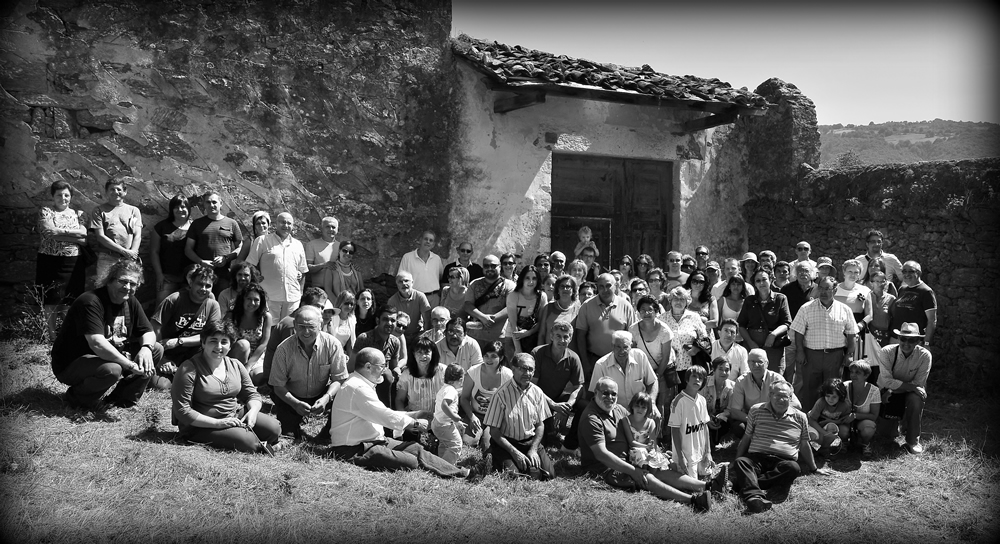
point(628, 203)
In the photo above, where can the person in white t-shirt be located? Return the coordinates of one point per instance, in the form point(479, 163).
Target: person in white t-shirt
point(692, 452)
point(447, 425)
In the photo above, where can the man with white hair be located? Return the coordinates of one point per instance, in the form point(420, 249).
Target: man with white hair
point(425, 267)
point(439, 318)
point(629, 368)
point(558, 261)
point(753, 388)
point(281, 260)
point(321, 253)
point(412, 302)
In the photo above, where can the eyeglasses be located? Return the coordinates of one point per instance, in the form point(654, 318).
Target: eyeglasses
point(347, 251)
point(127, 283)
point(909, 271)
point(908, 340)
point(507, 263)
point(348, 304)
point(801, 249)
point(705, 253)
point(655, 280)
point(491, 265)
point(698, 281)
point(454, 276)
point(464, 250)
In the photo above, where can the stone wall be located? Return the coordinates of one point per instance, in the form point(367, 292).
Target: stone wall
point(944, 215)
point(340, 108)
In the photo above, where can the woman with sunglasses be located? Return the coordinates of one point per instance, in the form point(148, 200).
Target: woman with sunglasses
point(656, 279)
point(564, 307)
point(453, 294)
point(627, 271)
point(702, 301)
point(508, 267)
point(637, 289)
point(344, 277)
point(343, 324)
point(643, 265)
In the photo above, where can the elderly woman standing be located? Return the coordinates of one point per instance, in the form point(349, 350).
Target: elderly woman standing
point(166, 248)
point(764, 321)
point(116, 227)
point(652, 337)
point(563, 307)
point(56, 272)
point(858, 298)
point(343, 276)
point(686, 326)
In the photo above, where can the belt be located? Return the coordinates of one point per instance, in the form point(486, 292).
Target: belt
point(435, 292)
point(828, 350)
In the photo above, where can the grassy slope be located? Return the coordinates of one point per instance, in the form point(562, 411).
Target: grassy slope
point(66, 476)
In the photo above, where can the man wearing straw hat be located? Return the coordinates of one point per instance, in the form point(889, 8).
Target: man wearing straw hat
point(904, 368)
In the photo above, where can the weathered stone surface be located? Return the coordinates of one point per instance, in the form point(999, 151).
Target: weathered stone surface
point(332, 108)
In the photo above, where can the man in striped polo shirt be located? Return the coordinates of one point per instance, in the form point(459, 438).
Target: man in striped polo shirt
point(516, 418)
point(770, 453)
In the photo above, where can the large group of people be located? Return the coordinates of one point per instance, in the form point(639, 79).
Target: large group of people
point(640, 371)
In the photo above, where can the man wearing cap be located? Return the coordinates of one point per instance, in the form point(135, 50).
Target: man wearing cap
point(701, 256)
point(823, 328)
point(893, 268)
point(464, 260)
point(675, 277)
point(425, 267)
point(713, 277)
point(802, 251)
point(915, 303)
point(903, 371)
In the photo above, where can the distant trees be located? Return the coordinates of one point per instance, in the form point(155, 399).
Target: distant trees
point(848, 159)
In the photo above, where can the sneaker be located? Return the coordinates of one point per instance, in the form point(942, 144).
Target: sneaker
point(701, 501)
point(915, 448)
point(756, 505)
point(866, 451)
point(778, 495)
point(718, 484)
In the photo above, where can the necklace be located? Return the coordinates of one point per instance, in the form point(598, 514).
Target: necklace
point(560, 306)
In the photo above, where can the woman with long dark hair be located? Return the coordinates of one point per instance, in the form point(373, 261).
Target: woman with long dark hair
point(524, 306)
point(253, 330)
point(702, 301)
point(343, 276)
point(166, 248)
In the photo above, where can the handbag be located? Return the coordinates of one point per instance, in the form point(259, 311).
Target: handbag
point(670, 375)
point(780, 341)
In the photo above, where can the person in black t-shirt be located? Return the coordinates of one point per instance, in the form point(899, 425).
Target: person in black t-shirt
point(106, 342)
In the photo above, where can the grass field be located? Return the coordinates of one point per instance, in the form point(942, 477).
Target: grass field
point(70, 476)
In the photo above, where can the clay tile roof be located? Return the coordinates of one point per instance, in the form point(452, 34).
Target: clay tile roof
point(520, 67)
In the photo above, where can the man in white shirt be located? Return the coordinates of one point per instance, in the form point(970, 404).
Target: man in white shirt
point(281, 260)
point(357, 420)
point(730, 268)
point(458, 348)
point(893, 267)
point(727, 347)
point(426, 267)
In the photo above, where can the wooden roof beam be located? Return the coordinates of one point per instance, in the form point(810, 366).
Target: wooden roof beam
point(710, 121)
point(518, 101)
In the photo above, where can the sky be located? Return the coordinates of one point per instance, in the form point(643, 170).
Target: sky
point(859, 62)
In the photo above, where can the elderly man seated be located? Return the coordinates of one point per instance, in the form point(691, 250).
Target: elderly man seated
point(604, 450)
point(357, 420)
point(753, 388)
point(770, 453)
point(516, 418)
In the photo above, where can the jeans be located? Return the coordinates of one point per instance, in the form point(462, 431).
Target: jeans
point(89, 378)
point(759, 471)
point(393, 455)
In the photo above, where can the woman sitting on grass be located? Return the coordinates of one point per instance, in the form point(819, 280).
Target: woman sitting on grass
point(214, 401)
point(253, 330)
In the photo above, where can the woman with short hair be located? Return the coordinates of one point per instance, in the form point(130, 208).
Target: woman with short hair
point(453, 294)
point(344, 276)
point(58, 268)
point(564, 307)
point(686, 327)
point(764, 321)
point(214, 401)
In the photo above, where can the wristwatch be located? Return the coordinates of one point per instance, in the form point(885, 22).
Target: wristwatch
point(150, 346)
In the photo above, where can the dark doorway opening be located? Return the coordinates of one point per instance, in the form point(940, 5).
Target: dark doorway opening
point(627, 203)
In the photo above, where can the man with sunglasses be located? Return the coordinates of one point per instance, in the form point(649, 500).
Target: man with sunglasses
point(425, 267)
point(486, 302)
point(915, 303)
point(701, 255)
point(802, 251)
point(903, 371)
point(464, 260)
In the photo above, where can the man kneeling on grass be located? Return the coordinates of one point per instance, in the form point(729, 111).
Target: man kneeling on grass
point(357, 420)
point(604, 449)
point(768, 457)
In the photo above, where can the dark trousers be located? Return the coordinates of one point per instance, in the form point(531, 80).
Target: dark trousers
point(820, 366)
point(759, 471)
point(290, 420)
point(502, 460)
point(393, 455)
point(267, 430)
point(89, 378)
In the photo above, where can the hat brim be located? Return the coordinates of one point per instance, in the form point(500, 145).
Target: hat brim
point(901, 334)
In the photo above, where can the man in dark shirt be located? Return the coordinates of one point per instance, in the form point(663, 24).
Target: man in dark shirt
point(382, 339)
point(465, 261)
point(214, 240)
point(559, 374)
point(915, 303)
point(106, 340)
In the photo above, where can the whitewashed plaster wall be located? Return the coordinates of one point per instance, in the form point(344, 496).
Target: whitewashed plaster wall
point(501, 194)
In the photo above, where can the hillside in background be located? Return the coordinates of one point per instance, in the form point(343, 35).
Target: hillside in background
point(906, 142)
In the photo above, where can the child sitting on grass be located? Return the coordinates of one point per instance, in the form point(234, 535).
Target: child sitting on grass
point(692, 453)
point(642, 434)
point(831, 416)
point(447, 425)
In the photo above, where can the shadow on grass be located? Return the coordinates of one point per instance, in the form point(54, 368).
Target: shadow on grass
point(36, 399)
point(155, 436)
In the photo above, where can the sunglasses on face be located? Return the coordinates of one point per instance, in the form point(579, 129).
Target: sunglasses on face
point(347, 251)
point(704, 253)
point(465, 251)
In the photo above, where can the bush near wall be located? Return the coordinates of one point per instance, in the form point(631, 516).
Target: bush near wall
point(945, 215)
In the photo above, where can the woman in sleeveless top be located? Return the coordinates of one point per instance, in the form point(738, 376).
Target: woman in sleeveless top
point(253, 330)
point(343, 323)
point(858, 298)
point(481, 384)
point(702, 301)
point(731, 302)
point(524, 304)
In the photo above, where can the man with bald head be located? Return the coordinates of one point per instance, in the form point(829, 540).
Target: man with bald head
point(753, 388)
point(486, 302)
point(321, 253)
point(358, 418)
point(214, 240)
point(281, 260)
point(599, 317)
point(306, 372)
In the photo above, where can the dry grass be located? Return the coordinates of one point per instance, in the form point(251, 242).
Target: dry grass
point(67, 476)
